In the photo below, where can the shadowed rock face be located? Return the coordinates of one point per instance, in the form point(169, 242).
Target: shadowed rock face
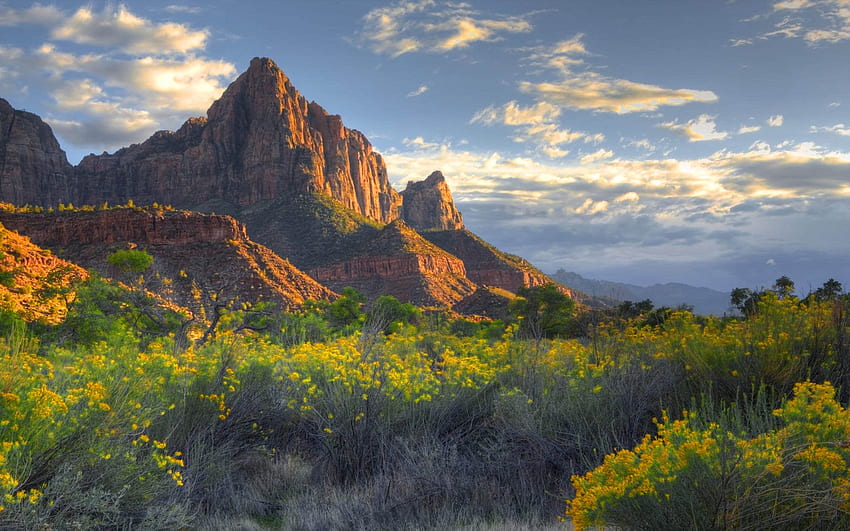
point(193, 251)
point(429, 205)
point(33, 168)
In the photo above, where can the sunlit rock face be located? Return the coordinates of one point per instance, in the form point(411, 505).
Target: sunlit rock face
point(429, 205)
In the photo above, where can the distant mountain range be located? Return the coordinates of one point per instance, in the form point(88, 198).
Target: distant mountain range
point(704, 300)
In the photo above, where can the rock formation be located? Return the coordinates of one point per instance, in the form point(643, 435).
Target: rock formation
point(33, 168)
point(191, 252)
point(302, 183)
point(261, 140)
point(33, 282)
point(429, 205)
point(486, 265)
point(399, 262)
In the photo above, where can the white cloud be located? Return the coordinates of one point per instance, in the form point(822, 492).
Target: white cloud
point(838, 129)
point(419, 143)
point(536, 124)
point(174, 8)
point(119, 28)
point(700, 129)
point(136, 76)
point(745, 129)
point(596, 156)
point(417, 92)
point(432, 26)
point(776, 120)
point(628, 197)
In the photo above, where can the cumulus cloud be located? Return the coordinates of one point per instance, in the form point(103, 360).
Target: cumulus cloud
point(418, 92)
point(776, 120)
point(136, 76)
point(432, 26)
point(700, 129)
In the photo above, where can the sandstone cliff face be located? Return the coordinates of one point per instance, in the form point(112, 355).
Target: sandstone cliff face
point(33, 168)
point(191, 251)
point(401, 263)
point(261, 140)
point(429, 205)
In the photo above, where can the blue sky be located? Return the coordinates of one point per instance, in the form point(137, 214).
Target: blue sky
point(684, 140)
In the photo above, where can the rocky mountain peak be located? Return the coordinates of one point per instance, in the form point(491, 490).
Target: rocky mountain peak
point(33, 168)
point(429, 205)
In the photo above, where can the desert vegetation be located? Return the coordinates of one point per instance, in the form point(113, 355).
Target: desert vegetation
point(358, 415)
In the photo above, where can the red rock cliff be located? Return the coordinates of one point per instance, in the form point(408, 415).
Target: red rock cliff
point(33, 168)
point(260, 140)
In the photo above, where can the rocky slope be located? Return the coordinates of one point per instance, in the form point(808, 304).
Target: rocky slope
point(399, 262)
point(194, 254)
point(33, 282)
point(486, 265)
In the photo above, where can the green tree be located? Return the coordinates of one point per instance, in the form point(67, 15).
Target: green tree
point(130, 260)
point(387, 314)
point(346, 310)
point(543, 312)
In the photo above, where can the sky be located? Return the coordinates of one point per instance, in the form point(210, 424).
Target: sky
point(696, 141)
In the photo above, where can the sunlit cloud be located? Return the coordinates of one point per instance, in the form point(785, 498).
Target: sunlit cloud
point(136, 76)
point(583, 89)
point(121, 29)
point(700, 129)
point(776, 121)
point(417, 92)
point(683, 210)
point(535, 124)
point(432, 26)
point(596, 156)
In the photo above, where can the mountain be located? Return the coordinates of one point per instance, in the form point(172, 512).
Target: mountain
point(33, 168)
point(303, 184)
point(705, 301)
point(192, 252)
point(33, 281)
point(399, 262)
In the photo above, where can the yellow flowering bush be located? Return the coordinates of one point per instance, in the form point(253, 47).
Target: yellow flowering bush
point(693, 476)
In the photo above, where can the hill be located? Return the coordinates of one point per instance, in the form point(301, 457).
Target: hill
point(705, 301)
